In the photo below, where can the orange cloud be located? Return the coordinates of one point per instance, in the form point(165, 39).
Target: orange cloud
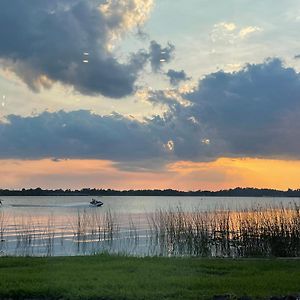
point(185, 175)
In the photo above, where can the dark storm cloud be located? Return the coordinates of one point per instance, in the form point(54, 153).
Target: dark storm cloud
point(176, 77)
point(42, 40)
point(159, 55)
point(254, 112)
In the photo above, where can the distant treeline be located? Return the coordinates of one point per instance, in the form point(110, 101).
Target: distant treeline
point(237, 192)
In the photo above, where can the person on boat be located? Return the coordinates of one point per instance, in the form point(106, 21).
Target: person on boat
point(96, 202)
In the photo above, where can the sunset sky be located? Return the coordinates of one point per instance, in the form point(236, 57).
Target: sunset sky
point(133, 94)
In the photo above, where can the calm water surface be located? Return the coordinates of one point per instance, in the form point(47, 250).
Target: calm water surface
point(42, 226)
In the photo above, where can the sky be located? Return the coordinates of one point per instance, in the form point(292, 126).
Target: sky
point(136, 94)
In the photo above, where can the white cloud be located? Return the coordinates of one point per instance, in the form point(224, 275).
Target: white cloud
point(223, 31)
point(244, 32)
point(232, 67)
point(226, 26)
point(229, 32)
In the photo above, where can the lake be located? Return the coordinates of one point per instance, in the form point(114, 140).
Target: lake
point(64, 226)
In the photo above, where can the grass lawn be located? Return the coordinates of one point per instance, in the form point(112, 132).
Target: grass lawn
point(117, 277)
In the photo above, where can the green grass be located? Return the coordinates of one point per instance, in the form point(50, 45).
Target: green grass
point(117, 277)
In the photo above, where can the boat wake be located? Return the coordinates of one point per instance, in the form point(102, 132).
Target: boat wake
point(71, 205)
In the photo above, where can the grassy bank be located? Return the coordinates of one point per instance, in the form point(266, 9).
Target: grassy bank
point(114, 277)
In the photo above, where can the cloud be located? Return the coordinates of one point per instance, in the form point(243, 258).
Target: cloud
point(229, 32)
point(79, 134)
point(223, 31)
point(84, 135)
point(67, 41)
point(159, 55)
point(177, 76)
point(227, 26)
point(244, 32)
point(254, 112)
point(125, 15)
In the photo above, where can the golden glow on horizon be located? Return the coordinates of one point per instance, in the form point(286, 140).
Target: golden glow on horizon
point(185, 175)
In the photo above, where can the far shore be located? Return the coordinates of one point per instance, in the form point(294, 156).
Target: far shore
point(236, 192)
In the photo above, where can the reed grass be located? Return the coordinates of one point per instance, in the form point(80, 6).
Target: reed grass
point(257, 232)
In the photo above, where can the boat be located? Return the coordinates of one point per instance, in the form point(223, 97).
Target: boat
point(96, 203)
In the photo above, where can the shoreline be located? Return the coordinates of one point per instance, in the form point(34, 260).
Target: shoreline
point(93, 192)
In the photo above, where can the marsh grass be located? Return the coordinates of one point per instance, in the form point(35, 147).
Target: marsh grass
point(94, 232)
point(2, 225)
point(259, 232)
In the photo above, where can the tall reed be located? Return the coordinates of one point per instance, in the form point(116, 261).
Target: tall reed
point(259, 232)
point(272, 231)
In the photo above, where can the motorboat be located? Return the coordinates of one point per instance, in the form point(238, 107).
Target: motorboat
point(96, 203)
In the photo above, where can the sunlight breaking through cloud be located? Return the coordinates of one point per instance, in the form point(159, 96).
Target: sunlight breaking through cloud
point(170, 146)
point(128, 14)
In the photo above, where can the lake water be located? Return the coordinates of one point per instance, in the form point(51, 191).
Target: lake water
point(61, 226)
